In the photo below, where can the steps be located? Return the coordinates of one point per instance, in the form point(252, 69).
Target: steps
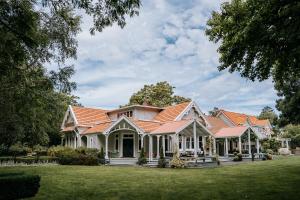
point(123, 161)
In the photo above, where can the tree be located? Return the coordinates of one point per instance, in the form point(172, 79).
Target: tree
point(160, 94)
point(268, 113)
point(33, 33)
point(214, 112)
point(262, 43)
point(293, 132)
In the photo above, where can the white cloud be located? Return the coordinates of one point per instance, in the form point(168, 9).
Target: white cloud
point(165, 42)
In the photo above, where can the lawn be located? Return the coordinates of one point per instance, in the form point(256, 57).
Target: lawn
point(276, 179)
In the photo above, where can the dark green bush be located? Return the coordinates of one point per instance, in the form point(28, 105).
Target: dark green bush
point(75, 158)
point(18, 150)
point(142, 159)
point(238, 157)
point(16, 186)
point(101, 156)
point(162, 163)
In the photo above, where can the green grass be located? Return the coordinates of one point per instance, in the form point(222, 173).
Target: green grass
point(277, 179)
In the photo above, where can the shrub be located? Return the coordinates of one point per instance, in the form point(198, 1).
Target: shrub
point(4, 151)
point(162, 161)
point(216, 159)
point(40, 150)
point(75, 158)
point(56, 151)
point(142, 159)
point(238, 157)
point(176, 162)
point(272, 144)
point(18, 150)
point(101, 156)
point(270, 151)
point(16, 186)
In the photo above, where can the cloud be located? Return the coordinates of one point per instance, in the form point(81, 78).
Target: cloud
point(166, 42)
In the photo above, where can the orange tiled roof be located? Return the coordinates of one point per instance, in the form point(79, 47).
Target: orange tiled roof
point(90, 116)
point(98, 128)
point(241, 119)
point(231, 132)
point(147, 126)
point(216, 124)
point(171, 127)
point(171, 112)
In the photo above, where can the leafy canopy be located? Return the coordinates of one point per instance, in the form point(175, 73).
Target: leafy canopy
point(160, 94)
point(260, 39)
point(33, 34)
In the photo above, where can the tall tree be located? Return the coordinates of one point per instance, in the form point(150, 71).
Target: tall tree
point(262, 43)
point(268, 113)
point(160, 94)
point(33, 33)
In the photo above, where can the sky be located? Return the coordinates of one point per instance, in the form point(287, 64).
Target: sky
point(166, 42)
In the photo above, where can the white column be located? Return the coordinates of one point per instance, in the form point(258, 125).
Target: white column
point(121, 144)
point(257, 145)
point(240, 144)
point(157, 144)
point(106, 146)
point(249, 142)
point(287, 144)
point(75, 142)
point(164, 145)
point(142, 141)
point(195, 139)
point(150, 148)
point(204, 145)
point(214, 146)
point(183, 143)
point(226, 146)
point(210, 146)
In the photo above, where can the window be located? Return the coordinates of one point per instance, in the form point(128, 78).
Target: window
point(117, 142)
point(180, 142)
point(188, 143)
point(192, 141)
point(127, 113)
point(200, 142)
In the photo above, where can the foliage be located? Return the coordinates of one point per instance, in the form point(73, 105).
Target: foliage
point(176, 162)
point(40, 150)
point(262, 43)
point(16, 186)
point(238, 157)
point(101, 156)
point(76, 158)
point(162, 163)
point(216, 158)
point(272, 144)
point(32, 35)
point(18, 150)
point(268, 113)
point(293, 132)
point(29, 159)
point(160, 94)
point(214, 111)
point(142, 159)
point(55, 151)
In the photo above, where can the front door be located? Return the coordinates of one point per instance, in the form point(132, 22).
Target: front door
point(128, 147)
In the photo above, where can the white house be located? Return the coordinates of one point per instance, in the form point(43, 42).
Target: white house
point(123, 132)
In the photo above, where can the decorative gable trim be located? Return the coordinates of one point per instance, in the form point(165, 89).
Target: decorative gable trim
point(71, 112)
point(191, 105)
point(106, 132)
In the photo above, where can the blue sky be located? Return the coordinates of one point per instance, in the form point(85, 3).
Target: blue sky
point(166, 42)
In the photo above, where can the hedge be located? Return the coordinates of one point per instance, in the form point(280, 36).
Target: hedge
point(28, 159)
point(77, 159)
point(16, 186)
